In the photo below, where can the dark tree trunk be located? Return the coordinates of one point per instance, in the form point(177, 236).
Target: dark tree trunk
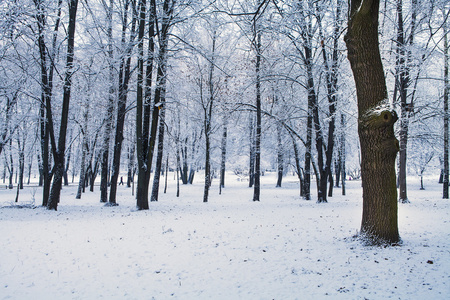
point(178, 167)
point(207, 167)
point(208, 109)
point(299, 172)
point(67, 163)
point(21, 148)
point(131, 167)
point(41, 171)
point(167, 173)
point(142, 115)
point(332, 92)
point(257, 187)
point(445, 179)
point(223, 147)
point(30, 166)
point(251, 170)
point(11, 166)
point(159, 157)
point(146, 137)
point(110, 107)
point(342, 153)
point(402, 82)
point(82, 181)
point(280, 160)
point(376, 120)
point(313, 107)
point(60, 152)
point(94, 172)
point(308, 151)
point(124, 78)
point(45, 112)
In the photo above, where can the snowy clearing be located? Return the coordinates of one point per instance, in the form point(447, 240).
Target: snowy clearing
point(230, 248)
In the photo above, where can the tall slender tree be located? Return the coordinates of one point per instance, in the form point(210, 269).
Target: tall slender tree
point(124, 78)
point(110, 105)
point(146, 132)
point(59, 153)
point(446, 114)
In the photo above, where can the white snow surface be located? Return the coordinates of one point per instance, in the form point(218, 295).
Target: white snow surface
point(229, 248)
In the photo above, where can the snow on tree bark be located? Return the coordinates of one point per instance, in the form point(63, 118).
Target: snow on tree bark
point(376, 120)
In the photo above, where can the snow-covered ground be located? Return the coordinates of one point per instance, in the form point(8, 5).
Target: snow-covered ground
point(230, 248)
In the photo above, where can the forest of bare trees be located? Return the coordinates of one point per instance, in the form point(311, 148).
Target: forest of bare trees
point(135, 88)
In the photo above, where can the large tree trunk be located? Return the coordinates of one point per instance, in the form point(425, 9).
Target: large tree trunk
point(376, 120)
point(60, 152)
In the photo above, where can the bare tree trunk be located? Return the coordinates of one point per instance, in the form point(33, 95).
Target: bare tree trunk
point(299, 172)
point(67, 162)
point(402, 83)
point(208, 109)
point(223, 147)
point(82, 181)
point(55, 191)
point(159, 156)
point(257, 187)
point(167, 173)
point(146, 137)
point(308, 152)
point(124, 78)
point(21, 149)
point(280, 161)
point(446, 116)
point(251, 170)
point(131, 166)
point(376, 120)
point(45, 112)
point(342, 153)
point(110, 107)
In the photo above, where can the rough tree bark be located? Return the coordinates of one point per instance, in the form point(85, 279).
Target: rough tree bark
point(376, 120)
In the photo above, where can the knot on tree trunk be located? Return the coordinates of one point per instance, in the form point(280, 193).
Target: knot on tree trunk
point(376, 127)
point(378, 118)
